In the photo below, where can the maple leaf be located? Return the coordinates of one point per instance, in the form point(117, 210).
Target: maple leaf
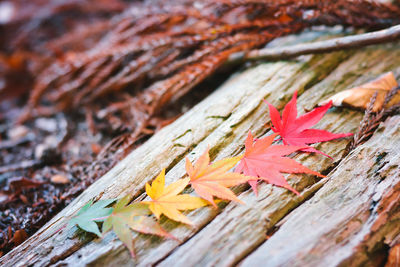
point(213, 180)
point(360, 96)
point(91, 213)
point(165, 200)
point(266, 162)
point(125, 218)
point(295, 131)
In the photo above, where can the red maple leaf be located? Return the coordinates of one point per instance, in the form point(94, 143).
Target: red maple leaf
point(295, 131)
point(266, 162)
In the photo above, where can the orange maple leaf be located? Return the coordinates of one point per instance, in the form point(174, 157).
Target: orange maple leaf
point(165, 200)
point(213, 180)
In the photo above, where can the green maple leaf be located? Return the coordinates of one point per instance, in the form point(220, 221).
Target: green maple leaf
point(125, 218)
point(91, 213)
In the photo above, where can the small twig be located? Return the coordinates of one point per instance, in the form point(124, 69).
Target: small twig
point(354, 41)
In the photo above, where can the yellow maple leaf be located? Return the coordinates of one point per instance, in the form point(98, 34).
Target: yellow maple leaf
point(213, 180)
point(165, 200)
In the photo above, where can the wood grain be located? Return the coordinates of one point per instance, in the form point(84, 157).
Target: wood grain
point(239, 229)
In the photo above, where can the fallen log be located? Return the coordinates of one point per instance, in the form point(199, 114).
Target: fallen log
point(222, 120)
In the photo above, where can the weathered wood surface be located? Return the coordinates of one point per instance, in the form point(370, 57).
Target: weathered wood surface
point(239, 229)
point(351, 219)
point(227, 235)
